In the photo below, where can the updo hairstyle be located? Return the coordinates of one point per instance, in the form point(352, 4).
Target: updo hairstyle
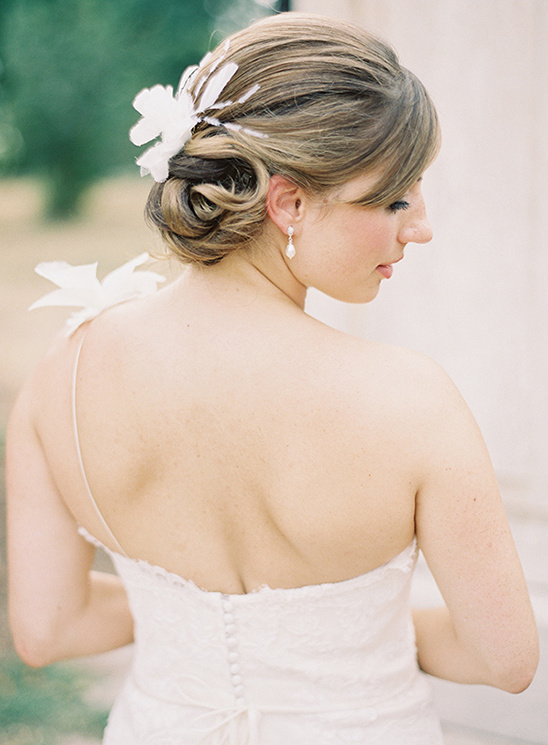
point(333, 103)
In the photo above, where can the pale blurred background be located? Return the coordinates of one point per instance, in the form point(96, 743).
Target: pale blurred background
point(474, 299)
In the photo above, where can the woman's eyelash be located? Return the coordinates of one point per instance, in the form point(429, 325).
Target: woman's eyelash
point(401, 204)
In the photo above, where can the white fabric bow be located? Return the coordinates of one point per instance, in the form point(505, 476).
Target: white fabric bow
point(79, 287)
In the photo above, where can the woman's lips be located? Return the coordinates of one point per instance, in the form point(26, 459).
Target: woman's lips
point(386, 270)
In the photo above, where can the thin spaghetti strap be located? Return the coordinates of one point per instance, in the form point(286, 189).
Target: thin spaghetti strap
point(79, 451)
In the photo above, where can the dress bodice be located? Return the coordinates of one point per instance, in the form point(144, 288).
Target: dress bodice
point(319, 665)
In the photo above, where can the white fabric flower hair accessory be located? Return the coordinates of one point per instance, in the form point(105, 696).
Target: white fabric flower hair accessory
point(172, 118)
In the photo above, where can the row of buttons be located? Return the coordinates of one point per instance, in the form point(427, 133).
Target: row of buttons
point(232, 644)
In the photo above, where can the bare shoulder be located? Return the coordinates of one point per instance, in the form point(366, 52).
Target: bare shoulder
point(49, 380)
point(418, 374)
point(44, 401)
point(427, 406)
point(421, 384)
point(402, 378)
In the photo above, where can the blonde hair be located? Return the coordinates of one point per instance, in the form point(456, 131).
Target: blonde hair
point(333, 103)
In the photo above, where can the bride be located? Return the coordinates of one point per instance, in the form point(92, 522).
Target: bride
point(263, 482)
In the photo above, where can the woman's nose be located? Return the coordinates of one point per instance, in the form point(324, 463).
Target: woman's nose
point(417, 228)
point(422, 232)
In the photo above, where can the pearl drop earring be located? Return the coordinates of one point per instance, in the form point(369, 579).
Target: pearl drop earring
point(290, 248)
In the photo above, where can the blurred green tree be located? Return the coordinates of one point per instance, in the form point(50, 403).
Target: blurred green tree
point(69, 71)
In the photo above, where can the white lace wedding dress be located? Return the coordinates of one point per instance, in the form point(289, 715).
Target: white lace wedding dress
point(326, 664)
point(330, 664)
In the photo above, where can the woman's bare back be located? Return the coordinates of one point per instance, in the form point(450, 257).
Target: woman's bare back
point(238, 442)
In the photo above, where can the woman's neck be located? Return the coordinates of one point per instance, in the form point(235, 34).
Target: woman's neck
point(257, 271)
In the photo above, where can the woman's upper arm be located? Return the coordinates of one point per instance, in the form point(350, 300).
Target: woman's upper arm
point(464, 534)
point(48, 562)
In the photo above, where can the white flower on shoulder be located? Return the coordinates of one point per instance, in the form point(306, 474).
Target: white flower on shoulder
point(79, 287)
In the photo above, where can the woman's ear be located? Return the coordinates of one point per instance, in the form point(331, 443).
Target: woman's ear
point(284, 202)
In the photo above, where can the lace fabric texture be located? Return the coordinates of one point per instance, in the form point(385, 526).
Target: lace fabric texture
point(317, 665)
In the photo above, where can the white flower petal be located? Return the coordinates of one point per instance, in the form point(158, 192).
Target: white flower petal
point(73, 297)
point(217, 122)
point(221, 105)
point(159, 110)
point(123, 281)
point(216, 85)
point(249, 93)
point(205, 59)
point(154, 102)
point(155, 161)
point(120, 285)
point(214, 66)
point(185, 78)
point(76, 319)
point(64, 274)
point(144, 131)
point(178, 132)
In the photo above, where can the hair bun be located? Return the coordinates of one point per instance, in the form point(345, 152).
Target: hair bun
point(213, 202)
